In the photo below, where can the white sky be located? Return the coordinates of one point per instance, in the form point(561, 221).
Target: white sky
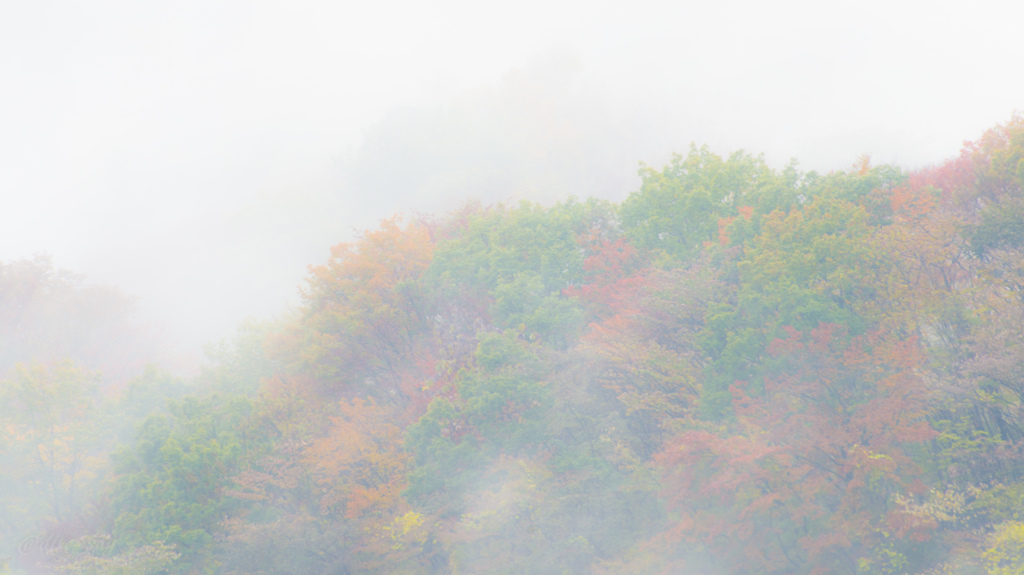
point(199, 154)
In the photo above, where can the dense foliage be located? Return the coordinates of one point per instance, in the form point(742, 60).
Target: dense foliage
point(736, 370)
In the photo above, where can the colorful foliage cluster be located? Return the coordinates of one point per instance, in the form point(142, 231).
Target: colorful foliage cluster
point(736, 370)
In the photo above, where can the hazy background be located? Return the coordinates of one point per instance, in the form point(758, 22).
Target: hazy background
point(200, 155)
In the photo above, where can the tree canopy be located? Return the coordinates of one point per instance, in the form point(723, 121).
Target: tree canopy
point(736, 370)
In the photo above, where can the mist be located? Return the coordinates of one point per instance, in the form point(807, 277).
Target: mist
point(200, 156)
point(450, 287)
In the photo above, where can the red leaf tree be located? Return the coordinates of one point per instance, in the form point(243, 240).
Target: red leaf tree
point(803, 481)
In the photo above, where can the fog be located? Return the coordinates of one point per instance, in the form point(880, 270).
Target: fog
point(200, 155)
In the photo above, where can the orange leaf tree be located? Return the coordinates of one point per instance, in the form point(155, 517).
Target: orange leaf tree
point(364, 309)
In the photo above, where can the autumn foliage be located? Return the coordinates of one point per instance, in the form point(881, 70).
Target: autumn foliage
point(736, 370)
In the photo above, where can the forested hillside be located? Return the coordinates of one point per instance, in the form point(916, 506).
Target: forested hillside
point(736, 370)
